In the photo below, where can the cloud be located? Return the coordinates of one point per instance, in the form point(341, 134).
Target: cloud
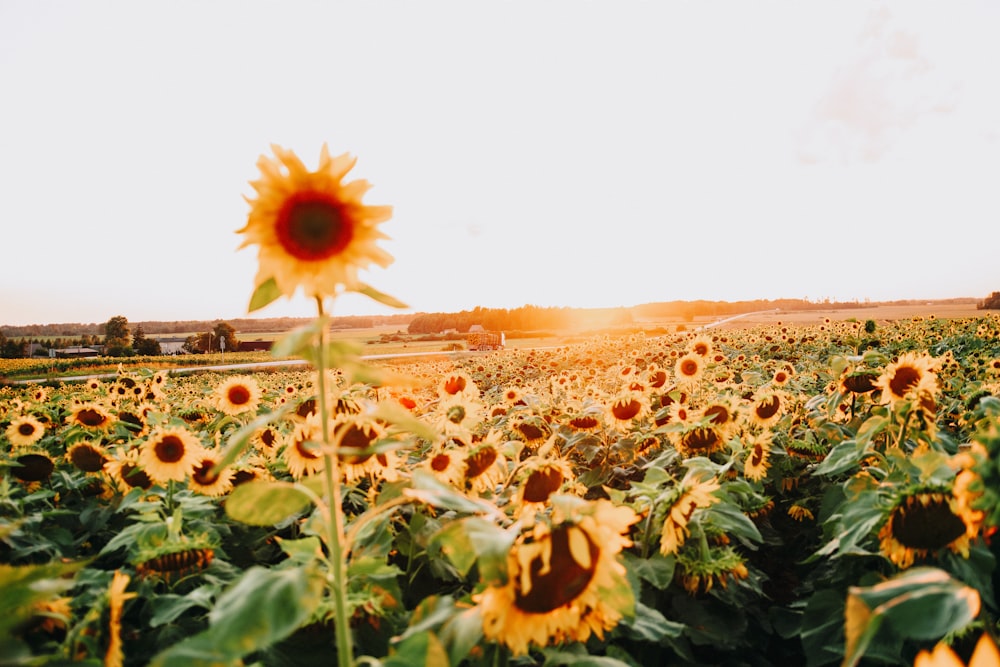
point(881, 94)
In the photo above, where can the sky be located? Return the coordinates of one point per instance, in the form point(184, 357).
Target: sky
point(577, 153)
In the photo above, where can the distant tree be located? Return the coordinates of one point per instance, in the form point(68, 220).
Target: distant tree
point(143, 345)
point(209, 341)
point(13, 349)
point(117, 337)
point(117, 328)
point(225, 331)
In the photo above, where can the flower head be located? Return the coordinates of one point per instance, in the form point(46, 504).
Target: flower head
point(564, 581)
point(237, 395)
point(170, 454)
point(24, 431)
point(311, 228)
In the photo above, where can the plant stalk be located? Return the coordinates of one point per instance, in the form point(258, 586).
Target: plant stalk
point(337, 577)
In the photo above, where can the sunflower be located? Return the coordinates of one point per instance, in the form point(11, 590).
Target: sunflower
point(538, 480)
point(207, 481)
point(758, 452)
point(457, 383)
point(237, 395)
point(126, 472)
point(767, 406)
point(357, 435)
point(447, 464)
point(136, 419)
point(702, 346)
point(170, 453)
point(857, 382)
point(625, 408)
point(722, 414)
point(485, 466)
point(87, 456)
point(689, 369)
point(117, 597)
point(564, 582)
point(533, 430)
point(912, 375)
point(25, 431)
point(924, 520)
point(783, 375)
point(656, 377)
point(311, 229)
point(698, 438)
point(984, 655)
point(92, 417)
point(33, 467)
point(267, 441)
point(302, 455)
point(52, 615)
point(699, 572)
point(691, 494)
point(458, 414)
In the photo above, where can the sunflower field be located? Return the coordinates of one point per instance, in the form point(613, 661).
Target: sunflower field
point(810, 495)
point(821, 494)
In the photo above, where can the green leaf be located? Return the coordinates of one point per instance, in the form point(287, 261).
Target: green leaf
point(295, 341)
point(461, 633)
point(266, 502)
point(267, 292)
point(566, 658)
point(169, 607)
point(651, 625)
point(823, 628)
point(22, 586)
point(470, 539)
point(238, 441)
point(735, 523)
point(426, 488)
point(921, 603)
point(301, 551)
point(397, 415)
point(381, 297)
point(262, 608)
point(657, 570)
point(843, 456)
point(422, 648)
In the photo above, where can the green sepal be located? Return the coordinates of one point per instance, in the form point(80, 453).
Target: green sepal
point(381, 297)
point(265, 293)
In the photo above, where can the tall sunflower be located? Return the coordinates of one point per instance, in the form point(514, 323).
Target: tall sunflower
point(311, 228)
point(564, 581)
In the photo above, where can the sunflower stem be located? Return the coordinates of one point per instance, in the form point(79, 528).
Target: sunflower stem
point(337, 577)
point(902, 429)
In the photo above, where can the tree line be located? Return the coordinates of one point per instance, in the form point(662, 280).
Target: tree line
point(157, 327)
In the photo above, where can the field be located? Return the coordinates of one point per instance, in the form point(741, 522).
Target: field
point(808, 488)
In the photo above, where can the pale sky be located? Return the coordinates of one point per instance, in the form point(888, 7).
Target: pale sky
point(555, 153)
